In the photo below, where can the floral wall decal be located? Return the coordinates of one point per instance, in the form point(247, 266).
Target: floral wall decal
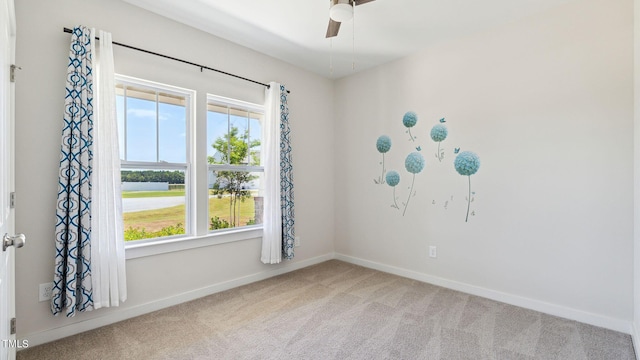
point(409, 120)
point(467, 163)
point(383, 145)
point(414, 163)
point(439, 132)
point(393, 179)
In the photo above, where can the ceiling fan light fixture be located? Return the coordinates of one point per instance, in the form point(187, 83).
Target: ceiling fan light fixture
point(341, 11)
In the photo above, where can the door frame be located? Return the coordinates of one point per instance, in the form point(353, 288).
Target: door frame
point(8, 343)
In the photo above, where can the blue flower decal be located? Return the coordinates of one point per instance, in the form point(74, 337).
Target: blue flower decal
point(439, 133)
point(393, 179)
point(409, 120)
point(414, 163)
point(467, 163)
point(383, 144)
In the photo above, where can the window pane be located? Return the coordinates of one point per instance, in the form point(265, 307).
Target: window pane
point(234, 138)
point(153, 203)
point(217, 128)
point(173, 133)
point(235, 199)
point(238, 137)
point(141, 125)
point(255, 140)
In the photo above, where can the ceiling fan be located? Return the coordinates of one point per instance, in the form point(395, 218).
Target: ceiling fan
point(341, 11)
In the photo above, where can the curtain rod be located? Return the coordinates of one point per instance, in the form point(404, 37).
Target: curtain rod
point(67, 30)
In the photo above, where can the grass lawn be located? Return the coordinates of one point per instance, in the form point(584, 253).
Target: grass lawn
point(148, 194)
point(155, 220)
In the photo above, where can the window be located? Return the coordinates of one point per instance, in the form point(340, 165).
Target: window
point(157, 156)
point(154, 130)
point(234, 138)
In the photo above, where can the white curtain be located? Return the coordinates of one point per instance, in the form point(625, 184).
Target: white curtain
point(107, 238)
point(272, 226)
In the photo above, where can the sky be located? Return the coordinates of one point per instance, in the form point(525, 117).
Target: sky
point(142, 136)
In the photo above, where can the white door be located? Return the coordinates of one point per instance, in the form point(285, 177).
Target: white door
point(8, 342)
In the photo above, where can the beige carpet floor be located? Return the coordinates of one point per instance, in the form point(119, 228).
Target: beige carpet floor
point(336, 310)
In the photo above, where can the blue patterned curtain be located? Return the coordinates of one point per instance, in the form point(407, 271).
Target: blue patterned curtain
point(72, 287)
point(286, 178)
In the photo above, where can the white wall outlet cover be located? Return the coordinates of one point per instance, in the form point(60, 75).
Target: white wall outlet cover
point(44, 292)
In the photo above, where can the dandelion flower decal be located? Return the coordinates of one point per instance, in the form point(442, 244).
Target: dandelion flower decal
point(439, 132)
point(409, 120)
point(467, 163)
point(393, 179)
point(414, 163)
point(383, 145)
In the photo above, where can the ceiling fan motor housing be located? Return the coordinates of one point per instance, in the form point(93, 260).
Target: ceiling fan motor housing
point(341, 10)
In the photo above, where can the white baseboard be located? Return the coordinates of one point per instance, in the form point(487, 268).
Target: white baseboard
point(620, 325)
point(116, 316)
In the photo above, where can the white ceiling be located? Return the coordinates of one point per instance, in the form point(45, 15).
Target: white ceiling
point(294, 30)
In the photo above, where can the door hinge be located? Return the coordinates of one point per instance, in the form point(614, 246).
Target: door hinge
point(12, 72)
point(13, 326)
point(12, 200)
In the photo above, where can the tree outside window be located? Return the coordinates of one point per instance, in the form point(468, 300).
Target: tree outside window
point(233, 149)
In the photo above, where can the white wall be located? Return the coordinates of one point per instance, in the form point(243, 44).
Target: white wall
point(547, 103)
point(42, 50)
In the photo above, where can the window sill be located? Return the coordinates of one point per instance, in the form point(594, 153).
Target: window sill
point(151, 248)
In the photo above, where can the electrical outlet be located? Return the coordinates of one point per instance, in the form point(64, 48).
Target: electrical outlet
point(296, 241)
point(45, 290)
point(433, 252)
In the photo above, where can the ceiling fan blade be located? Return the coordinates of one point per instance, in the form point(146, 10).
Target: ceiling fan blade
point(360, 2)
point(333, 28)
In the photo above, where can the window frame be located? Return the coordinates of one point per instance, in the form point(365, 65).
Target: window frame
point(187, 167)
point(192, 239)
point(249, 107)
